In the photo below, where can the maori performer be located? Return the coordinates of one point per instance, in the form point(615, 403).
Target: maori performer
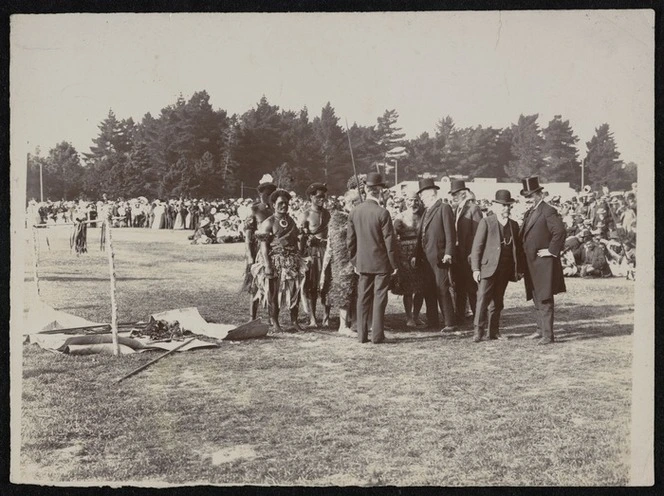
point(260, 210)
point(343, 286)
point(313, 224)
point(409, 280)
point(279, 271)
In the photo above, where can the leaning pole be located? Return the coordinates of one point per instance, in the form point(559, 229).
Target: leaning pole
point(111, 269)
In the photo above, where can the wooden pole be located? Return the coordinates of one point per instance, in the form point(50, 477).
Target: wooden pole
point(111, 269)
point(41, 183)
point(396, 171)
point(35, 260)
point(583, 166)
point(143, 367)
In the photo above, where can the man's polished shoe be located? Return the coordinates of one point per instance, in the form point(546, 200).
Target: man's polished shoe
point(498, 337)
point(535, 335)
point(478, 335)
point(449, 329)
point(545, 341)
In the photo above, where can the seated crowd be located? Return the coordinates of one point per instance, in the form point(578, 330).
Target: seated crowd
point(601, 228)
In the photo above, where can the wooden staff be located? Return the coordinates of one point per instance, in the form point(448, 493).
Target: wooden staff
point(114, 304)
point(35, 259)
point(357, 180)
point(142, 367)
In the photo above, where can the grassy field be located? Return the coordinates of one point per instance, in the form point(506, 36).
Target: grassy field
point(316, 408)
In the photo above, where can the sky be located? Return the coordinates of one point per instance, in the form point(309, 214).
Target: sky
point(591, 67)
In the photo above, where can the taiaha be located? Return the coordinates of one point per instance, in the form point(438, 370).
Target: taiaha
point(350, 146)
point(143, 367)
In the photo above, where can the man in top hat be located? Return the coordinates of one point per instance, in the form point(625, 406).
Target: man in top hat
point(467, 217)
point(496, 258)
point(260, 210)
point(435, 248)
point(543, 237)
point(372, 248)
point(313, 224)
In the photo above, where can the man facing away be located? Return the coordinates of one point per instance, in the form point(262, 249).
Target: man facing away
point(434, 251)
point(496, 259)
point(543, 238)
point(372, 248)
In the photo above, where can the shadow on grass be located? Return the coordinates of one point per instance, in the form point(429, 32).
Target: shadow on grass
point(572, 322)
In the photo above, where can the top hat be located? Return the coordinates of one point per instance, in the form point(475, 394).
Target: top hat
point(316, 187)
point(375, 179)
point(426, 183)
point(504, 197)
point(530, 185)
point(457, 185)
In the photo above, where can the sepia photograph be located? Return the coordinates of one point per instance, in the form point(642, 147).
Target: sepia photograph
point(332, 249)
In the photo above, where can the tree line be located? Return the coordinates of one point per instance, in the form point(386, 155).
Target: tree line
point(192, 150)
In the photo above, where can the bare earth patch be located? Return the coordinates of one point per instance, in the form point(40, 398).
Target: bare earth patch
point(318, 408)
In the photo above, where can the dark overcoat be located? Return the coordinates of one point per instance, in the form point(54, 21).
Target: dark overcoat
point(437, 237)
point(371, 240)
point(543, 229)
point(485, 253)
point(466, 226)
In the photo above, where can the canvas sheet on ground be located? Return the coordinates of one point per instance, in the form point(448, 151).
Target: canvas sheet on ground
point(40, 320)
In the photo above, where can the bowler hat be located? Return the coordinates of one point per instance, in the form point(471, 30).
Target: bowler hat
point(375, 179)
point(530, 185)
point(457, 185)
point(504, 197)
point(311, 190)
point(427, 183)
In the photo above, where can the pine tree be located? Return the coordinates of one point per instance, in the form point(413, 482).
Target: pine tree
point(527, 144)
point(603, 164)
point(559, 153)
point(259, 148)
point(332, 148)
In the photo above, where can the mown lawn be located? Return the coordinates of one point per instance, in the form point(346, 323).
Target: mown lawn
point(317, 408)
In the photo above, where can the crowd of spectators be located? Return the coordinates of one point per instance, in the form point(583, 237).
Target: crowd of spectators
point(601, 226)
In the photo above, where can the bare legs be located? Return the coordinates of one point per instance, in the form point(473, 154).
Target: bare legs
point(412, 304)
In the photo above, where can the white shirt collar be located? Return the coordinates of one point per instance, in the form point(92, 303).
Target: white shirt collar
point(503, 222)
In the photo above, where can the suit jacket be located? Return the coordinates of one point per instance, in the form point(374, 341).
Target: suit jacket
point(371, 240)
point(436, 237)
point(543, 228)
point(467, 221)
point(485, 253)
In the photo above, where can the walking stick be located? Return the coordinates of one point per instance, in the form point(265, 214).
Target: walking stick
point(352, 159)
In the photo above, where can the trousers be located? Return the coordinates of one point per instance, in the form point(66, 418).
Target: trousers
point(371, 303)
point(437, 294)
point(490, 295)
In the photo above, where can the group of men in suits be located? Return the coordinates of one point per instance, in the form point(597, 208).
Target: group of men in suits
point(478, 255)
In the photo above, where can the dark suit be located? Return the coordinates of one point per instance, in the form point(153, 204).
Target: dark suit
point(467, 221)
point(436, 239)
point(372, 247)
point(543, 229)
point(496, 268)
